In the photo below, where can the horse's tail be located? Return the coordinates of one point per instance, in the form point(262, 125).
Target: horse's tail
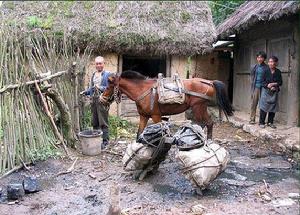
point(222, 98)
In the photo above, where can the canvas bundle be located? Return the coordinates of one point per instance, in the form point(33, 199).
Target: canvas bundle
point(170, 90)
point(150, 150)
point(201, 166)
point(189, 136)
point(153, 134)
point(140, 157)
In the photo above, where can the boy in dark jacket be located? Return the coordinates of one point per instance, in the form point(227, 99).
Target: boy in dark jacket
point(257, 74)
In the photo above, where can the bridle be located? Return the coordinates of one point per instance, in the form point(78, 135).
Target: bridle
point(115, 96)
point(117, 92)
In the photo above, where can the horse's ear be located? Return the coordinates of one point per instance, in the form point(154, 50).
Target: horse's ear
point(111, 79)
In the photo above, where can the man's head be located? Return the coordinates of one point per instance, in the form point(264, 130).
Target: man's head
point(261, 57)
point(273, 62)
point(99, 62)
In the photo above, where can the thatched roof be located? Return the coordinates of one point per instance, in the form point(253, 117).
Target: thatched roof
point(252, 12)
point(183, 28)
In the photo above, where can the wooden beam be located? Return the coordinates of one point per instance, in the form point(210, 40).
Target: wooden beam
point(14, 86)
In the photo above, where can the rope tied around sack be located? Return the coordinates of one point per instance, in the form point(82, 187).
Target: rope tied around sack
point(195, 165)
point(158, 148)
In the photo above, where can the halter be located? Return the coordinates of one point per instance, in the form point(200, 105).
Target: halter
point(116, 95)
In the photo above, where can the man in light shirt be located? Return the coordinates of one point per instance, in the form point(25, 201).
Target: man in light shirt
point(98, 83)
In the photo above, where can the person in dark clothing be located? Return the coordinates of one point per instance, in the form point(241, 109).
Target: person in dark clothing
point(98, 83)
point(257, 73)
point(268, 103)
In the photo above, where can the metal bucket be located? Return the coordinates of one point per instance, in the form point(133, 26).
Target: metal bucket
point(90, 141)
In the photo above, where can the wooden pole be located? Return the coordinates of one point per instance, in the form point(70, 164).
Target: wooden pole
point(65, 114)
point(56, 132)
point(76, 103)
point(13, 86)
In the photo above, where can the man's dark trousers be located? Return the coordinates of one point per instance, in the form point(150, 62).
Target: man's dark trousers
point(100, 118)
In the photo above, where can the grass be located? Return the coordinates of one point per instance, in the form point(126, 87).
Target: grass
point(118, 127)
point(36, 22)
point(43, 153)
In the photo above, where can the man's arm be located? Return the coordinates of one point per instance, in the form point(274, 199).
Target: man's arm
point(89, 90)
point(104, 83)
point(265, 80)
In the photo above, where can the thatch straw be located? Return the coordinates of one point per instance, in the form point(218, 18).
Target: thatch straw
point(252, 12)
point(136, 27)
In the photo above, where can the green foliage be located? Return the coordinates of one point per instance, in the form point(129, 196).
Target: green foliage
point(33, 22)
point(296, 156)
point(10, 5)
point(221, 9)
point(44, 152)
point(117, 126)
point(86, 121)
point(88, 5)
point(185, 16)
point(1, 134)
point(36, 22)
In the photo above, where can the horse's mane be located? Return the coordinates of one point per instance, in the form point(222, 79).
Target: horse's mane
point(129, 74)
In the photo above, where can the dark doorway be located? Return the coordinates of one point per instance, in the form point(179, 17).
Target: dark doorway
point(148, 66)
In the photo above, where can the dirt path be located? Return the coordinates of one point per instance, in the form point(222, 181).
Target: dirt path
point(87, 189)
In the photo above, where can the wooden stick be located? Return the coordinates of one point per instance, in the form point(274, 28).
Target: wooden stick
point(104, 178)
point(114, 207)
point(70, 169)
point(13, 170)
point(13, 86)
point(113, 153)
point(56, 132)
point(76, 103)
point(23, 163)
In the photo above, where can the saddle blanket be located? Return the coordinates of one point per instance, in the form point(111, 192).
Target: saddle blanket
point(165, 93)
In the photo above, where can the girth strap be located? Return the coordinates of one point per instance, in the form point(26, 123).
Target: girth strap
point(152, 90)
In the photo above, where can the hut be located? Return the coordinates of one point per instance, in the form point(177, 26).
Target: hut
point(273, 27)
point(150, 37)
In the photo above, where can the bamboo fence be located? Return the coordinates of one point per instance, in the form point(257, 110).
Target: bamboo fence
point(25, 128)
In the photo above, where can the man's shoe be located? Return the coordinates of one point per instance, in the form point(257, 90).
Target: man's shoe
point(272, 125)
point(252, 122)
point(262, 126)
point(104, 145)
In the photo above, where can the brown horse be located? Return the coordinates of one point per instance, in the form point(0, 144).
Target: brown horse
point(138, 88)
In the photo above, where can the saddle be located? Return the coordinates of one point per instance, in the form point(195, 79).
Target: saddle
point(170, 90)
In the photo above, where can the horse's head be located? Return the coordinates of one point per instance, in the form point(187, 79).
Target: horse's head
point(112, 91)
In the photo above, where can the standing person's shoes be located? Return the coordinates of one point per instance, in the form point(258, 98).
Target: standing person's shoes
point(262, 126)
point(104, 144)
point(251, 122)
point(271, 125)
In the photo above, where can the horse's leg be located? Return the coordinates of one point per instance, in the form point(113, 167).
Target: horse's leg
point(209, 123)
point(201, 116)
point(142, 125)
point(156, 118)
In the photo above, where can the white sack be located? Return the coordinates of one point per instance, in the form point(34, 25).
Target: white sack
point(137, 156)
point(201, 166)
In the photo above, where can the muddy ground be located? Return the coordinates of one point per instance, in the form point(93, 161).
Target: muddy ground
point(238, 190)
